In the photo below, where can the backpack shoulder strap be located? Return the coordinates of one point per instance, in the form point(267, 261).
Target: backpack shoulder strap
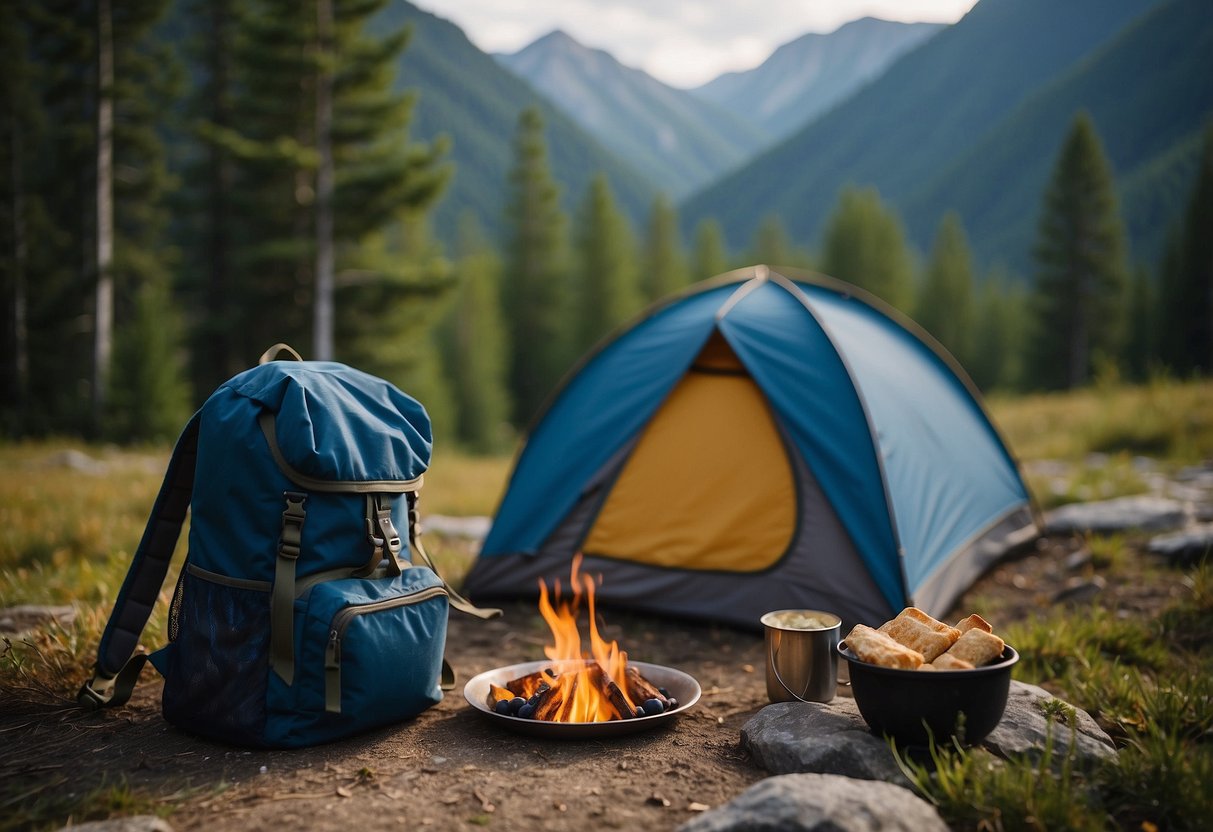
point(117, 668)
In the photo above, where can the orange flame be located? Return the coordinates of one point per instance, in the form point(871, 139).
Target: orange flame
point(582, 700)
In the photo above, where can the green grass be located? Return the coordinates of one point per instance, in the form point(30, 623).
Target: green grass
point(1165, 419)
point(1146, 682)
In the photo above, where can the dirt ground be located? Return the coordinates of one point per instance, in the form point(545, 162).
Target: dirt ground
point(455, 768)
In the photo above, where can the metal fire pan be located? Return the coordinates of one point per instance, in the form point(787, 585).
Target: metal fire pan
point(681, 686)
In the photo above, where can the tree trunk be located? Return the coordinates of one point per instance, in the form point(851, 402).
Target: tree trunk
point(322, 332)
point(103, 318)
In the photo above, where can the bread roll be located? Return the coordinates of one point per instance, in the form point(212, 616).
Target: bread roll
point(920, 632)
point(876, 647)
point(949, 662)
point(973, 622)
point(977, 647)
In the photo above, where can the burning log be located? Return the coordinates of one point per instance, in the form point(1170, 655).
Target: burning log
point(547, 704)
point(641, 690)
point(551, 696)
point(594, 685)
point(607, 687)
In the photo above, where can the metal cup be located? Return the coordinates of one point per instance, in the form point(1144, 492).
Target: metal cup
point(802, 662)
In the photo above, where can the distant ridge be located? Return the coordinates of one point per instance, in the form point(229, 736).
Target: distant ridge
point(905, 132)
point(805, 77)
point(467, 96)
point(676, 140)
point(1150, 93)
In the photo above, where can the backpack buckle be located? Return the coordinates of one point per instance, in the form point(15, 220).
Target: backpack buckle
point(292, 525)
point(91, 699)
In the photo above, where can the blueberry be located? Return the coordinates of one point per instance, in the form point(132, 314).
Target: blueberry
point(502, 706)
point(673, 703)
point(516, 703)
point(664, 692)
point(652, 707)
point(640, 712)
point(526, 711)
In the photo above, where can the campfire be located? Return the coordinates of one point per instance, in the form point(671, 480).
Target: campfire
point(579, 685)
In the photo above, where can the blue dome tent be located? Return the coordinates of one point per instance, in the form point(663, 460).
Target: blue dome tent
point(765, 440)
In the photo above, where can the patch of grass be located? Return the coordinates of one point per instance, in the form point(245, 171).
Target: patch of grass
point(1095, 478)
point(1165, 418)
point(974, 790)
point(461, 485)
point(52, 804)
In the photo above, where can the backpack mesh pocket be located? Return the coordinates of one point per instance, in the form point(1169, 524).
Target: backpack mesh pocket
point(216, 675)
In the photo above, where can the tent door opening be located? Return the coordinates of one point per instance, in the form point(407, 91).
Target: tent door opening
point(708, 486)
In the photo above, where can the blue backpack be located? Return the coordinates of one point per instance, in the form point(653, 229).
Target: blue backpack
point(297, 617)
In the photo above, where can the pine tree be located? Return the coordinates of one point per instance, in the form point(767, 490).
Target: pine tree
point(20, 131)
point(147, 388)
point(1140, 347)
point(208, 206)
point(1186, 329)
point(309, 189)
point(60, 255)
point(865, 245)
point(665, 269)
point(535, 287)
point(1001, 309)
point(473, 345)
point(945, 306)
point(606, 272)
point(1078, 292)
point(771, 244)
point(711, 256)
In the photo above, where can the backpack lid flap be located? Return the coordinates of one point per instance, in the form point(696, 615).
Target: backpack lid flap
point(337, 424)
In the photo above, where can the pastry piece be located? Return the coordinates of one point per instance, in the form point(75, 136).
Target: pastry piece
point(977, 647)
point(973, 622)
point(920, 632)
point(949, 662)
point(875, 647)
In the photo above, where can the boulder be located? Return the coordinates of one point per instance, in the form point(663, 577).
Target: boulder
point(21, 619)
point(1026, 724)
point(824, 738)
point(1184, 548)
point(471, 528)
point(134, 823)
point(832, 738)
point(820, 803)
point(1119, 515)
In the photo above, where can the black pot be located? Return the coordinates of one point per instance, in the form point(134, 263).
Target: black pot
point(914, 705)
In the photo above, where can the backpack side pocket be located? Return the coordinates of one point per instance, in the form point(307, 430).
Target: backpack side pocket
point(215, 671)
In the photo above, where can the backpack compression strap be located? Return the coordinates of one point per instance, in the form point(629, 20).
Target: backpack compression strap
point(457, 601)
point(117, 669)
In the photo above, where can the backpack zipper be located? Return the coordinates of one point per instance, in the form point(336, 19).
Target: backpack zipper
point(341, 621)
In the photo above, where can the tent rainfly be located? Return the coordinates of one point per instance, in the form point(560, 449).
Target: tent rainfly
point(762, 441)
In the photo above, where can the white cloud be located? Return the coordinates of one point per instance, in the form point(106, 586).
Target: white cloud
point(684, 43)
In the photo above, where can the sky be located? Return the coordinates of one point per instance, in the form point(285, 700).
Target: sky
point(684, 43)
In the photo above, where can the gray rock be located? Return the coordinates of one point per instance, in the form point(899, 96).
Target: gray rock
point(1080, 591)
point(795, 737)
point(472, 528)
point(1184, 548)
point(1118, 515)
point(820, 803)
point(25, 617)
point(1025, 728)
point(830, 738)
point(75, 460)
point(134, 823)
